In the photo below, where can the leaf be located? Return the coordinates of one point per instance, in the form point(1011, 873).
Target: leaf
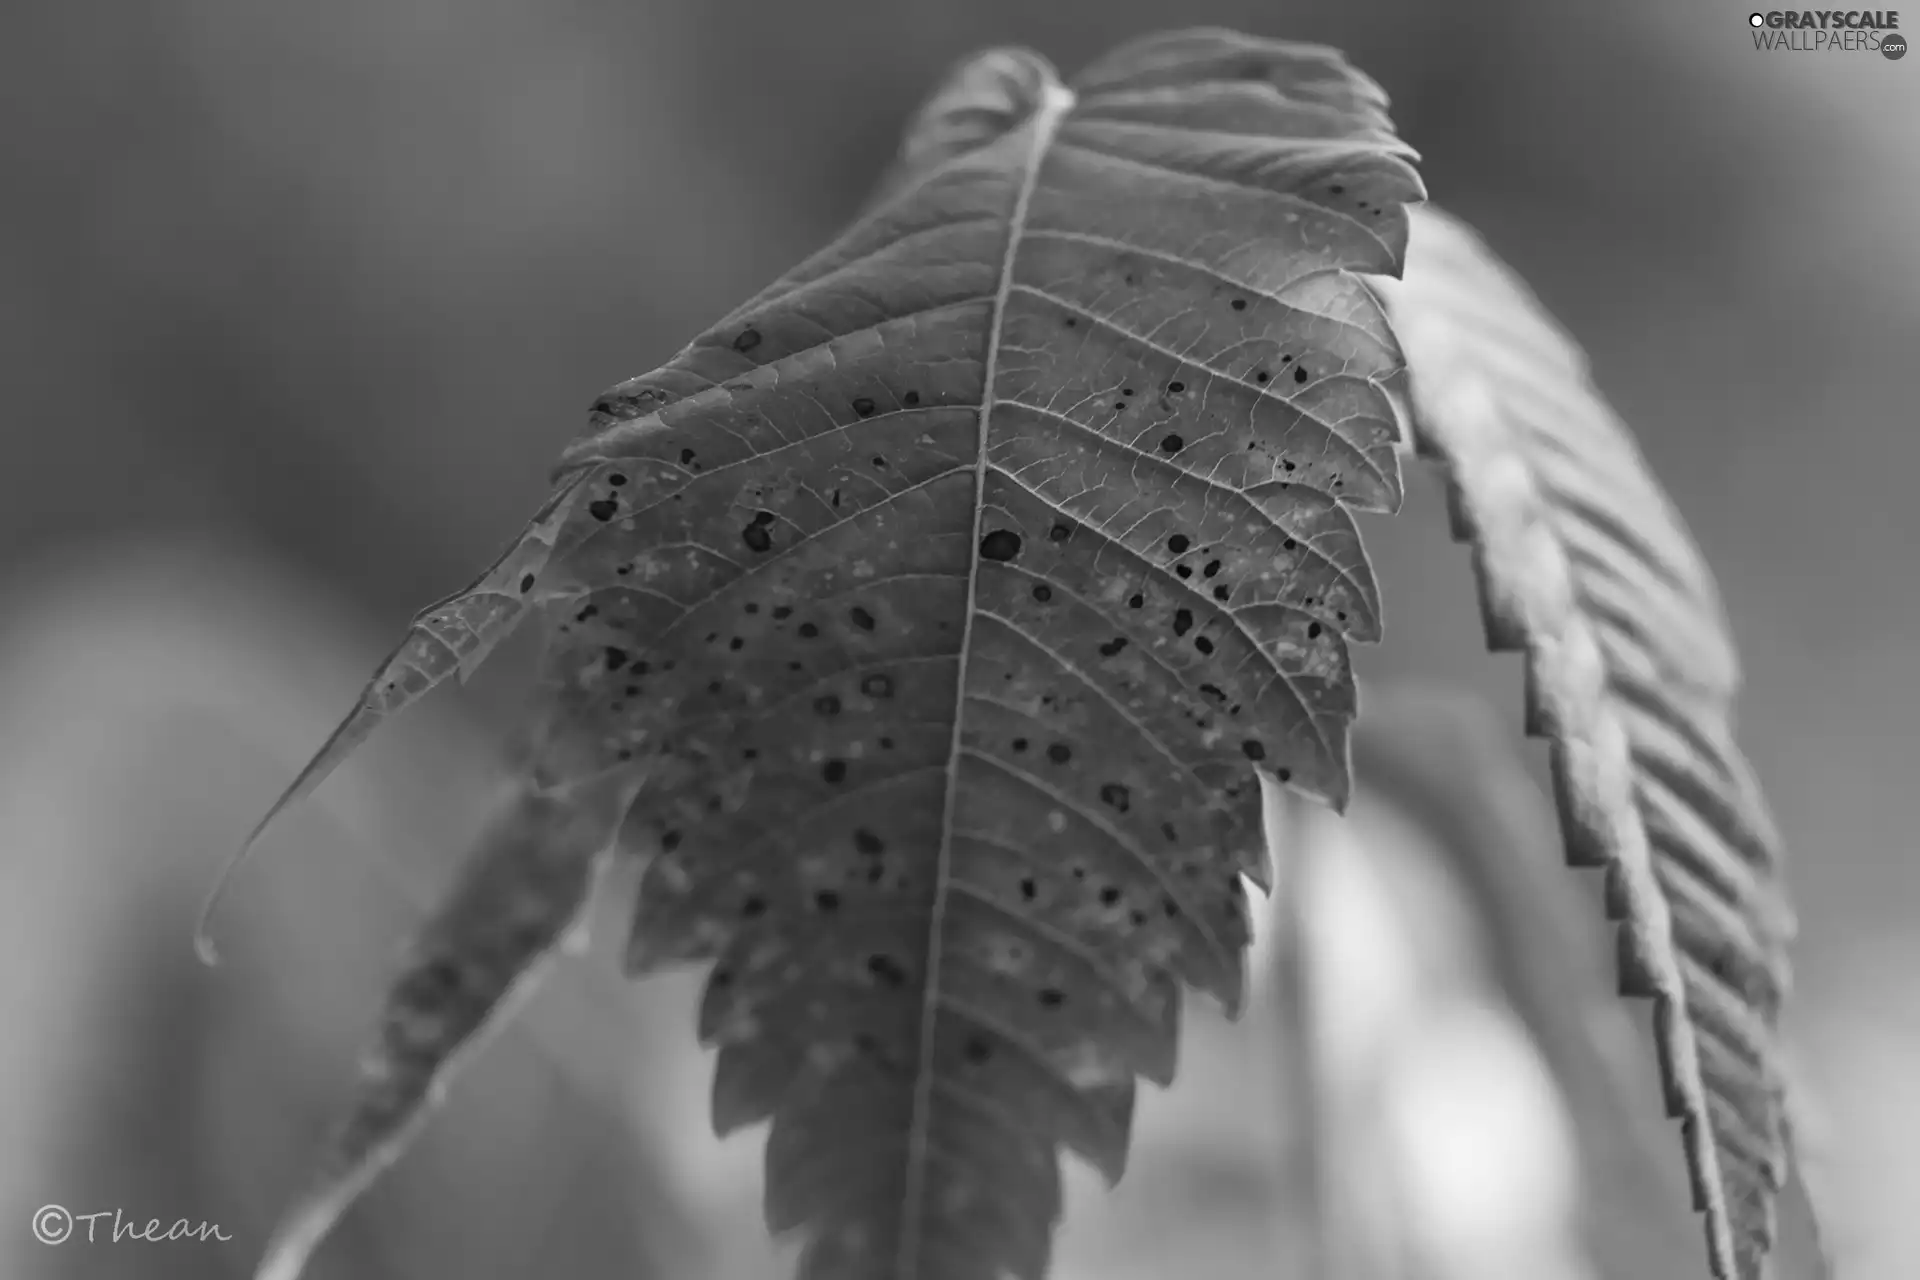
point(451, 636)
point(516, 900)
point(1442, 759)
point(944, 599)
point(1583, 564)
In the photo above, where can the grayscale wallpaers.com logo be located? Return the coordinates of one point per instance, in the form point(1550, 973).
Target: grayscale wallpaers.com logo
point(1829, 30)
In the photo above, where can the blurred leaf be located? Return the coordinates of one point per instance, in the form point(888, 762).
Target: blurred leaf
point(1584, 564)
point(524, 888)
point(959, 505)
point(1442, 759)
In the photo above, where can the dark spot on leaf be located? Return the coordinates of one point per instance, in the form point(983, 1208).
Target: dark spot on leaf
point(1176, 387)
point(753, 907)
point(977, 1051)
point(1042, 592)
point(1285, 775)
point(878, 685)
point(1136, 600)
point(1110, 896)
point(1203, 644)
point(868, 843)
point(1335, 189)
point(863, 407)
point(1182, 621)
point(1059, 753)
point(713, 686)
point(807, 630)
point(1112, 648)
point(686, 456)
point(834, 770)
point(886, 970)
point(782, 611)
point(1221, 592)
point(1019, 744)
point(1052, 997)
point(1213, 567)
point(757, 538)
point(616, 479)
point(1126, 391)
point(1178, 543)
point(1299, 373)
point(1183, 571)
point(861, 618)
point(441, 976)
point(603, 510)
point(1239, 304)
point(1028, 889)
point(615, 658)
point(1172, 444)
point(827, 705)
point(526, 583)
point(1263, 377)
point(886, 744)
point(1290, 544)
point(670, 841)
point(1116, 797)
point(879, 462)
point(1059, 533)
point(1254, 749)
point(747, 341)
point(1313, 631)
point(1001, 545)
point(1071, 322)
point(910, 399)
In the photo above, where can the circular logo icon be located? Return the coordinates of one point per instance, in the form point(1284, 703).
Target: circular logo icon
point(1756, 19)
point(1894, 46)
point(52, 1224)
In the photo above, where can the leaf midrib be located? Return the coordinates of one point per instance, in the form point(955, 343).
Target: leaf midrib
point(1055, 102)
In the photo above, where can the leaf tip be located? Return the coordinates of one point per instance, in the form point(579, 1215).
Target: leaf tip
point(203, 943)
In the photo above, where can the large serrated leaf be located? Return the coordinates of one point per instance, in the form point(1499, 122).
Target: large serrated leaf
point(942, 602)
point(1584, 564)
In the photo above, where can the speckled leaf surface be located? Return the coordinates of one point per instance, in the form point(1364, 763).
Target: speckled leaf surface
point(937, 608)
point(1584, 565)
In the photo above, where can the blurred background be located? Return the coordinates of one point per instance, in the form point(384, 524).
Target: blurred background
point(298, 304)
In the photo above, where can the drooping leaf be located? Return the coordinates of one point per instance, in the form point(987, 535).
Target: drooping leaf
point(943, 601)
point(516, 900)
point(1442, 759)
point(451, 636)
point(1585, 566)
